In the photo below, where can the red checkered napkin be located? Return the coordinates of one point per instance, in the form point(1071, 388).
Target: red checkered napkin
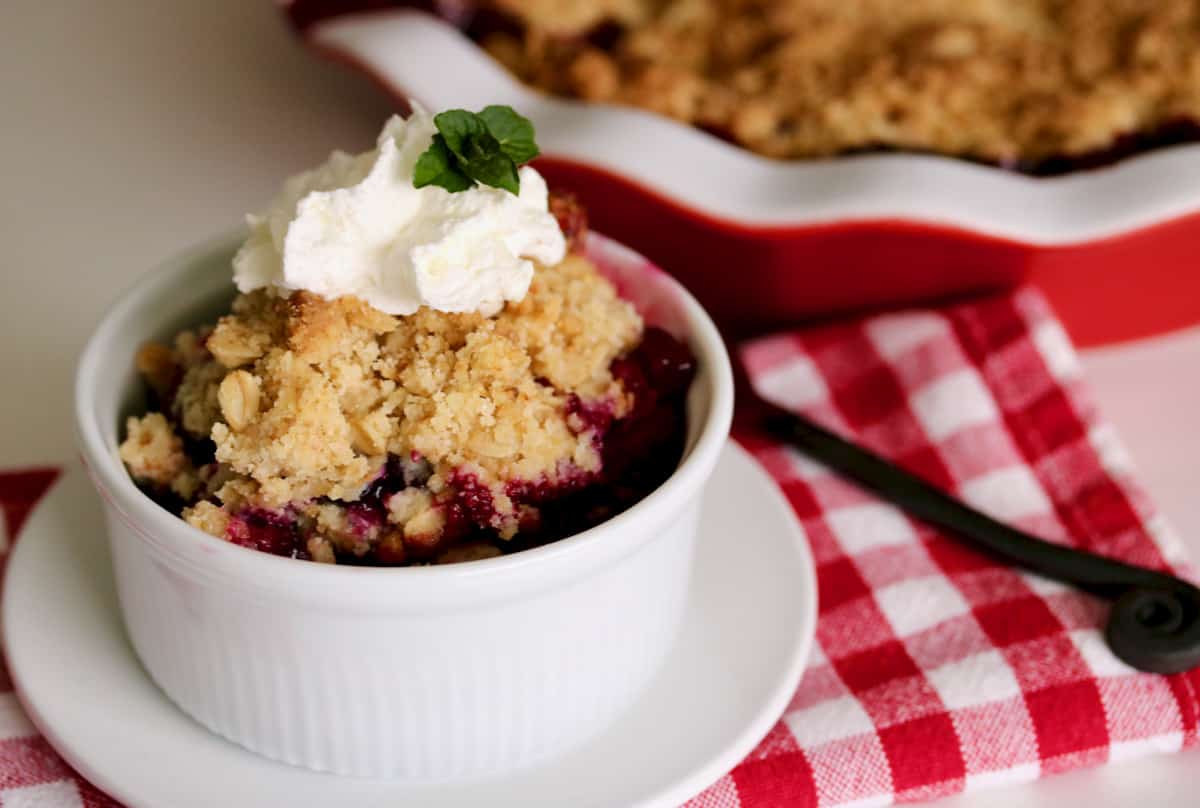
point(937, 670)
point(32, 775)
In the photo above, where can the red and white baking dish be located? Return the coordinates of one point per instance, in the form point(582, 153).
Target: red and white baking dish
point(764, 242)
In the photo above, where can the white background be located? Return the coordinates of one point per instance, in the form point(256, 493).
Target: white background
point(130, 130)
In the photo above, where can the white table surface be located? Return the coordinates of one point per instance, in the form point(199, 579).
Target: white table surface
point(130, 129)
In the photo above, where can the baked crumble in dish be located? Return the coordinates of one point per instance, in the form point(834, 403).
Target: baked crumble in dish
point(1042, 86)
point(326, 429)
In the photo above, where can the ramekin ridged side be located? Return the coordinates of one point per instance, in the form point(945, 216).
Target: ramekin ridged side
point(415, 696)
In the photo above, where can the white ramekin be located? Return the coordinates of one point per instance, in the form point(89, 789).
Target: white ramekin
point(428, 673)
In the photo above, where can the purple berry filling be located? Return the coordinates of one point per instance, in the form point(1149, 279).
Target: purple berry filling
point(275, 532)
point(638, 451)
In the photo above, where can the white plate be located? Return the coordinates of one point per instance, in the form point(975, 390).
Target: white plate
point(746, 636)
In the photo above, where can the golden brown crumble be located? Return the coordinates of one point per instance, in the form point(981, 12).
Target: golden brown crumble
point(209, 517)
point(572, 16)
point(306, 398)
point(999, 80)
point(152, 450)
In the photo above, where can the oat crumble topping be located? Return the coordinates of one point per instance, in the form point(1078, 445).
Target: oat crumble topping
point(313, 409)
point(1005, 81)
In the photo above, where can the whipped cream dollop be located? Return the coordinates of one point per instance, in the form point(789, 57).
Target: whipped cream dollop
point(356, 226)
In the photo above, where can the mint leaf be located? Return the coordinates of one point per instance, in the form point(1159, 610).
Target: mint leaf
point(470, 148)
point(437, 166)
point(458, 127)
point(497, 170)
point(480, 155)
point(479, 146)
point(514, 132)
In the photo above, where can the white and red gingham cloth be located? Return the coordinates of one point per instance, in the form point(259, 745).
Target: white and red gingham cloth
point(935, 669)
point(32, 775)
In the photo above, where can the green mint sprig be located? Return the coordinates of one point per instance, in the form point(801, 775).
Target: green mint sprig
point(476, 147)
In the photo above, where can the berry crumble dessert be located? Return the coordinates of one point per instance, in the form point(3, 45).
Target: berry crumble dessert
point(1044, 86)
point(421, 365)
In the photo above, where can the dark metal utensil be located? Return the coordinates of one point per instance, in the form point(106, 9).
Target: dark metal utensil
point(1154, 624)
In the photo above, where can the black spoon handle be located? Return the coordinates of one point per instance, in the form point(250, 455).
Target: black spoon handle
point(1155, 620)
